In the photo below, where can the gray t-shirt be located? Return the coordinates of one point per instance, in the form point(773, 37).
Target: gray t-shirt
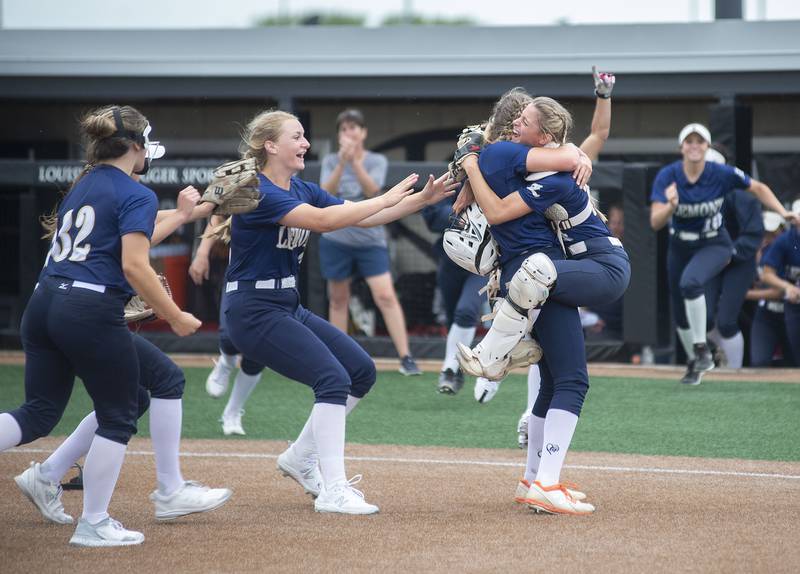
point(375, 165)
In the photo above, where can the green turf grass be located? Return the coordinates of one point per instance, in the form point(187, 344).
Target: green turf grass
point(716, 419)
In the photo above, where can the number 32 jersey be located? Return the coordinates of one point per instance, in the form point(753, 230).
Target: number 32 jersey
point(102, 207)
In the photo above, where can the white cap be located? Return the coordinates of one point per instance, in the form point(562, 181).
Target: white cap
point(714, 156)
point(796, 206)
point(772, 221)
point(698, 129)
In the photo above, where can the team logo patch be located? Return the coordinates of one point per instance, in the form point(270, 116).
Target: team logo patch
point(552, 448)
point(64, 286)
point(533, 188)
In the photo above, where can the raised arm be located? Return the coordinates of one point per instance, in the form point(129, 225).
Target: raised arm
point(168, 220)
point(322, 220)
point(495, 209)
point(660, 212)
point(434, 191)
point(601, 121)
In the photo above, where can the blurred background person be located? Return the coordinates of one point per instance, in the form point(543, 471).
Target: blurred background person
point(355, 173)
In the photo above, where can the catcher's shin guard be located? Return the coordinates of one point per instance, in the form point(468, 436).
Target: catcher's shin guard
point(528, 288)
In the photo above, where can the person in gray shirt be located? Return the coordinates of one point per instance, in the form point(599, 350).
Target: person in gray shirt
point(353, 174)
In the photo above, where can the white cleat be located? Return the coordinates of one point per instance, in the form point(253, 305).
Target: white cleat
point(45, 495)
point(190, 498)
point(105, 533)
point(218, 379)
point(523, 486)
point(555, 499)
point(232, 424)
point(485, 390)
point(304, 472)
point(342, 498)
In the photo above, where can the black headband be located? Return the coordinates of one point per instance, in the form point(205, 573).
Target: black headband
point(122, 132)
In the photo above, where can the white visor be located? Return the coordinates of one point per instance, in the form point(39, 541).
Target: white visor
point(714, 156)
point(698, 129)
point(154, 149)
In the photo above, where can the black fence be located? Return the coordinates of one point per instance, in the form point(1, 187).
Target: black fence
point(30, 188)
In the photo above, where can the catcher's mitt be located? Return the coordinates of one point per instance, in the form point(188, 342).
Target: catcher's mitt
point(137, 311)
point(234, 188)
point(470, 142)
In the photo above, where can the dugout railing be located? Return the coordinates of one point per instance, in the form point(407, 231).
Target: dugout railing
point(29, 189)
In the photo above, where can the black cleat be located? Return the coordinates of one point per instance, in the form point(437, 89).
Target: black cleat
point(450, 382)
point(704, 360)
point(692, 377)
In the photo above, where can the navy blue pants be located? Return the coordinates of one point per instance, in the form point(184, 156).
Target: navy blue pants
point(690, 266)
point(272, 328)
point(68, 332)
point(597, 277)
point(565, 379)
point(459, 287)
point(791, 316)
point(249, 366)
point(725, 296)
point(766, 333)
point(159, 376)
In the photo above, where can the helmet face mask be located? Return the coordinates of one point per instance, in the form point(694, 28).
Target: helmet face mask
point(469, 243)
point(152, 149)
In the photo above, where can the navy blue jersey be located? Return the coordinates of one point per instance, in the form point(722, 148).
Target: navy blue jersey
point(503, 165)
point(504, 168)
point(262, 248)
point(783, 255)
point(699, 203)
point(102, 207)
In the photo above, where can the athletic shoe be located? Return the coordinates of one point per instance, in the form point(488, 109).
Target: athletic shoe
point(704, 360)
point(522, 430)
point(485, 390)
point(692, 376)
point(303, 471)
point(45, 495)
point(218, 379)
point(107, 532)
point(408, 366)
point(232, 424)
point(523, 486)
point(450, 382)
point(522, 491)
point(555, 499)
point(342, 498)
point(190, 498)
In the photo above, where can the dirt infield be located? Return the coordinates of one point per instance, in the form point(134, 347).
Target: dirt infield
point(442, 510)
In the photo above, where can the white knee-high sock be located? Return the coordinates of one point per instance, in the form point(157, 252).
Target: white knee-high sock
point(696, 315)
point(535, 438)
point(685, 335)
point(100, 474)
point(243, 385)
point(305, 446)
point(351, 404)
point(10, 432)
point(74, 447)
point(559, 426)
point(166, 416)
point(734, 350)
point(534, 381)
point(328, 425)
point(455, 335)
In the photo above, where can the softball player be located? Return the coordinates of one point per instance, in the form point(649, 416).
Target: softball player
point(73, 324)
point(462, 301)
point(782, 270)
point(597, 259)
point(768, 330)
point(218, 380)
point(265, 319)
point(161, 385)
point(688, 194)
point(725, 293)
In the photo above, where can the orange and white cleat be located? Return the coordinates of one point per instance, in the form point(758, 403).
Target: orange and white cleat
point(555, 499)
point(523, 486)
